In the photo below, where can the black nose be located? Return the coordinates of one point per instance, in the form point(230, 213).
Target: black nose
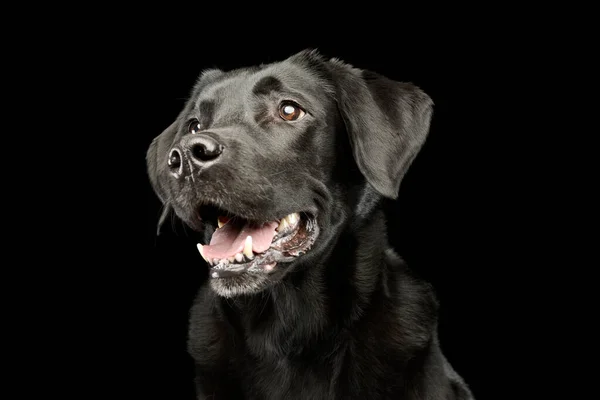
point(203, 148)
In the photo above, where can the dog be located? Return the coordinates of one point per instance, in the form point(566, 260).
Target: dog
point(282, 169)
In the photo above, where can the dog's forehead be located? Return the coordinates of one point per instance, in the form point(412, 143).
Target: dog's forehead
point(284, 76)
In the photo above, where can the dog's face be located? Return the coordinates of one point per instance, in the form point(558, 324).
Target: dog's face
point(269, 163)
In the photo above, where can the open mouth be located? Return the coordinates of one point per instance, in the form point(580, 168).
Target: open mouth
point(239, 245)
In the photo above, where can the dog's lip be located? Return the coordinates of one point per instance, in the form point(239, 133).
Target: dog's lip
point(209, 211)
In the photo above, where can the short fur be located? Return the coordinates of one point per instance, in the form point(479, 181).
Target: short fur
point(347, 320)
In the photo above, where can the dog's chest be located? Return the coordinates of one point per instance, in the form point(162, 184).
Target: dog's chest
point(352, 370)
point(285, 378)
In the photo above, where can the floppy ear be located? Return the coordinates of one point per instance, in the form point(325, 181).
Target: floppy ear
point(155, 157)
point(387, 123)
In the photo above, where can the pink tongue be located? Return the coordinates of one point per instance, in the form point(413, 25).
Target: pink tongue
point(229, 240)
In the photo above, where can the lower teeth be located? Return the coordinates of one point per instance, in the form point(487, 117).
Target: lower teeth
point(237, 259)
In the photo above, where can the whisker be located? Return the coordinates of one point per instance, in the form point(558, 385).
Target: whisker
point(279, 172)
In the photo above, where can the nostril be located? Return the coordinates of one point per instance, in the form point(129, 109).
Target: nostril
point(206, 151)
point(174, 160)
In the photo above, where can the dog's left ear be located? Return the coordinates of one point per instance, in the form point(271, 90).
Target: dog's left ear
point(387, 122)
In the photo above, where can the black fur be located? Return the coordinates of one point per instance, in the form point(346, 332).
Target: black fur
point(347, 320)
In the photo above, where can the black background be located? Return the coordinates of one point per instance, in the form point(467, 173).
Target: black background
point(458, 221)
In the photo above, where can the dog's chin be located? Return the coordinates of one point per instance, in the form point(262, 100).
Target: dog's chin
point(246, 283)
point(247, 256)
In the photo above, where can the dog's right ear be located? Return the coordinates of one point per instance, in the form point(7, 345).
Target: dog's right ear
point(155, 161)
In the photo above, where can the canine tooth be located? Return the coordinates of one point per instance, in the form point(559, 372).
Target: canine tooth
point(293, 218)
point(201, 250)
point(239, 257)
point(231, 259)
point(248, 248)
point(282, 225)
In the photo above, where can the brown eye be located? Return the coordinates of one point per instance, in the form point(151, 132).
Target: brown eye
point(290, 111)
point(194, 127)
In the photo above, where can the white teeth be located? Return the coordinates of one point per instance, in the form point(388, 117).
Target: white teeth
point(201, 250)
point(248, 248)
point(222, 262)
point(293, 218)
point(215, 274)
point(282, 225)
point(220, 223)
point(239, 257)
point(287, 221)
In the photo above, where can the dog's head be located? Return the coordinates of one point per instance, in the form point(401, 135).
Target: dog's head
point(269, 163)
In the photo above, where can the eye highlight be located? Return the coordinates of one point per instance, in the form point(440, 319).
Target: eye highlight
point(290, 111)
point(194, 127)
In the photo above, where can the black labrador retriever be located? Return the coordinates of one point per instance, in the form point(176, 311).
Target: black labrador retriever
point(283, 169)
